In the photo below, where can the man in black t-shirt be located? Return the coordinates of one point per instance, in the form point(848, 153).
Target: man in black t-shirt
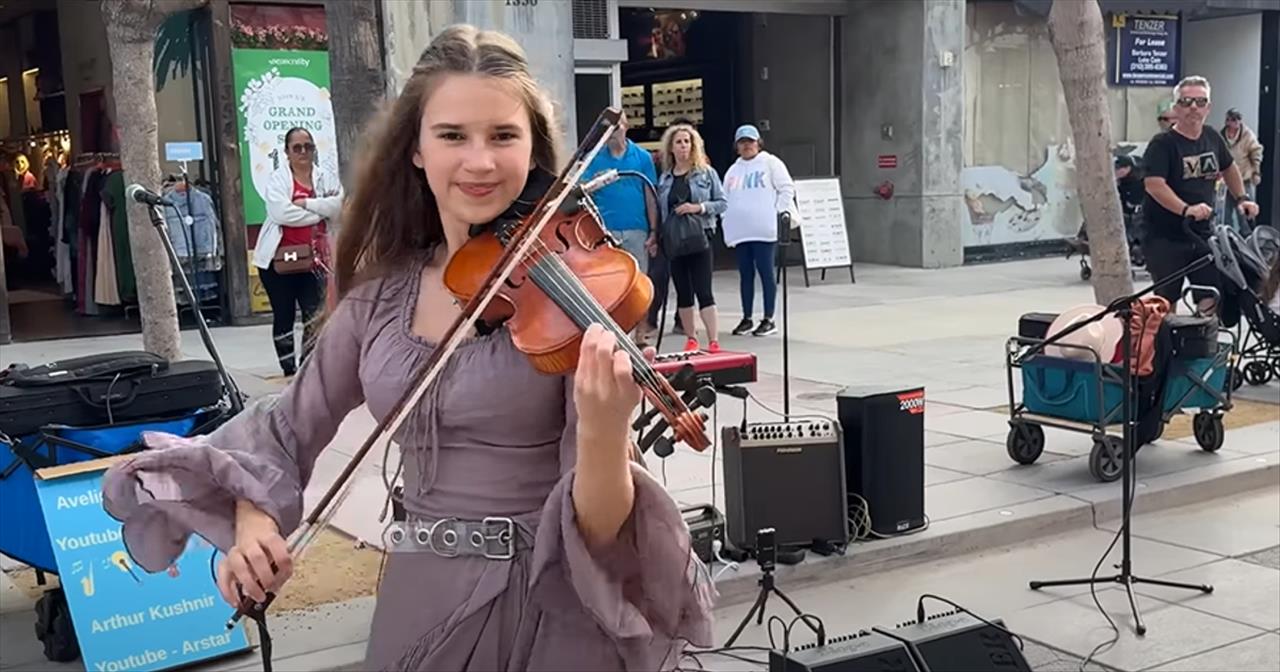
point(1182, 166)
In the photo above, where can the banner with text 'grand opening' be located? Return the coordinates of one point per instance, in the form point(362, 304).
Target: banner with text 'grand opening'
point(280, 65)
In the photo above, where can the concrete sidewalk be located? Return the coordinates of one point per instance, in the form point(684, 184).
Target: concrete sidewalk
point(1231, 543)
point(941, 329)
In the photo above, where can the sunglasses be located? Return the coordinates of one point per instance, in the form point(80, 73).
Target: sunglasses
point(301, 147)
point(1188, 101)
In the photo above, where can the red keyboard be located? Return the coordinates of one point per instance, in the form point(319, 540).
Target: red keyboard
point(720, 368)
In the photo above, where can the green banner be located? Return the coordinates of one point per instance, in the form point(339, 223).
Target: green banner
point(278, 90)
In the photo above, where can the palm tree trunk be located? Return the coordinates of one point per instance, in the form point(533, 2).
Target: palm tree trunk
point(131, 32)
point(1076, 31)
point(356, 72)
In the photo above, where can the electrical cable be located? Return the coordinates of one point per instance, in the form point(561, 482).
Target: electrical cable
point(786, 634)
point(920, 616)
point(810, 416)
point(860, 521)
point(720, 651)
point(715, 445)
point(110, 416)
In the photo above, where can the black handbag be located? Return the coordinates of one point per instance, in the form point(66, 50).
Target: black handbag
point(683, 235)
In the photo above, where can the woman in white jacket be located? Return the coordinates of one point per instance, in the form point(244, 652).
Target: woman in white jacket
point(758, 188)
point(292, 254)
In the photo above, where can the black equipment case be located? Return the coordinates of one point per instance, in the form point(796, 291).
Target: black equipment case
point(1036, 325)
point(1193, 337)
point(103, 389)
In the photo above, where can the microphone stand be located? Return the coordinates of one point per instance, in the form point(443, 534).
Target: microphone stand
point(784, 242)
point(157, 220)
point(1123, 308)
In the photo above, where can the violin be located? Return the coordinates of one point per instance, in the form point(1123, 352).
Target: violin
point(556, 272)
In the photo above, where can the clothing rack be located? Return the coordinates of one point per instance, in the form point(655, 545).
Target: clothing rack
point(99, 159)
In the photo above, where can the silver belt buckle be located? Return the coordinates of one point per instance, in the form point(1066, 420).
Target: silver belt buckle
point(505, 536)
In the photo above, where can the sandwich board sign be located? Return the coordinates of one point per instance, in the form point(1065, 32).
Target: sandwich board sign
point(125, 618)
point(823, 233)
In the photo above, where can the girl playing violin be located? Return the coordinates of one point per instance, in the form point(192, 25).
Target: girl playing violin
point(535, 543)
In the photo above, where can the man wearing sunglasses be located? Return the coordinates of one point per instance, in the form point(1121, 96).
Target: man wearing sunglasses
point(1183, 166)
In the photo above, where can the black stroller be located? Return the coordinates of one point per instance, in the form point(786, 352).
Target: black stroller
point(1243, 264)
point(1131, 197)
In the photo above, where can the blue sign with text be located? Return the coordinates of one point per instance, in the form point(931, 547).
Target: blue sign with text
point(183, 151)
point(124, 617)
point(1146, 50)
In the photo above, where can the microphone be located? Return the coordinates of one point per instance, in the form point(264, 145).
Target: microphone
point(573, 202)
point(600, 181)
point(145, 196)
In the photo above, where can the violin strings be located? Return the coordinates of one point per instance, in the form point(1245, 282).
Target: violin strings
point(576, 292)
point(573, 291)
point(589, 311)
point(579, 293)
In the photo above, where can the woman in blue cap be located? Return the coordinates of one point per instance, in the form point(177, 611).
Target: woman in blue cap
point(759, 188)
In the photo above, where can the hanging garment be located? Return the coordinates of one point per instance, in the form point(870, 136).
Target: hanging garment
point(198, 242)
point(112, 195)
point(90, 220)
point(105, 291)
point(66, 278)
point(86, 270)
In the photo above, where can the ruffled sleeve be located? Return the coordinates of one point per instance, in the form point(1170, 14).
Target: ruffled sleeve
point(265, 454)
point(648, 591)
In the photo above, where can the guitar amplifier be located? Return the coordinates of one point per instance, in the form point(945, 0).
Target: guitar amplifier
point(884, 453)
point(705, 526)
point(957, 642)
point(789, 476)
point(861, 652)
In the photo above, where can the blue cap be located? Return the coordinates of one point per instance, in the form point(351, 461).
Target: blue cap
point(746, 131)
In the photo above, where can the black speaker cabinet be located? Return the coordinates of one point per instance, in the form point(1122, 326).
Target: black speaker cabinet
point(863, 652)
point(788, 476)
point(884, 453)
point(957, 642)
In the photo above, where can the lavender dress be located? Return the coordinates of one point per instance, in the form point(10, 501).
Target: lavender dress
point(492, 437)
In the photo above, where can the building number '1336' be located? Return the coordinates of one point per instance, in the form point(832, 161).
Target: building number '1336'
point(522, 3)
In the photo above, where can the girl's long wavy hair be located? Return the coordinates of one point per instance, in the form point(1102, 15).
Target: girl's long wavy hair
point(697, 151)
point(392, 216)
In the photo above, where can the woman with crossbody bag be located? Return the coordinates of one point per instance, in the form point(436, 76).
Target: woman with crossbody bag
point(292, 254)
point(689, 197)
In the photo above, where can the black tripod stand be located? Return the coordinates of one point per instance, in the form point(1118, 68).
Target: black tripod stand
point(766, 556)
point(1123, 308)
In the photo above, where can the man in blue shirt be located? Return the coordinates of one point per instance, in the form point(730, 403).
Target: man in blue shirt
point(628, 209)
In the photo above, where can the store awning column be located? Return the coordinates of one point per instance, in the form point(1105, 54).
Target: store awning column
point(902, 129)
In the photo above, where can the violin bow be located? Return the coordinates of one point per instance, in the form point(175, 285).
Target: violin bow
point(322, 514)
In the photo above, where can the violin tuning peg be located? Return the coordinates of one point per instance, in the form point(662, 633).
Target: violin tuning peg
point(663, 447)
